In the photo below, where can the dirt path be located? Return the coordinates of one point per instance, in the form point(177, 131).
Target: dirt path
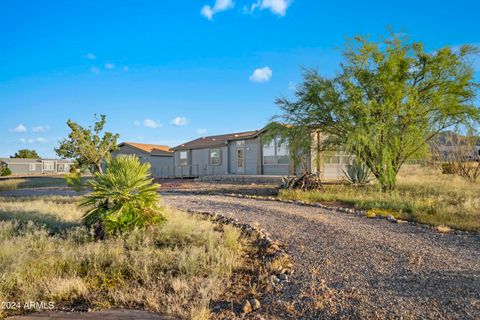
point(94, 315)
point(354, 267)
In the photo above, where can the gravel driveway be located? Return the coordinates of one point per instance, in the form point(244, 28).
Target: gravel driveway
point(348, 266)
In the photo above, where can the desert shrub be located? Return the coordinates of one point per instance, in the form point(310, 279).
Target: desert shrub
point(4, 171)
point(448, 168)
point(123, 197)
point(357, 172)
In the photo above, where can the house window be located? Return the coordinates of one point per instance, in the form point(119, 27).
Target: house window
point(183, 158)
point(215, 157)
point(269, 153)
point(49, 166)
point(32, 166)
point(275, 152)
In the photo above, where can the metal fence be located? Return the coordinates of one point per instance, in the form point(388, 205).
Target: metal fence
point(189, 171)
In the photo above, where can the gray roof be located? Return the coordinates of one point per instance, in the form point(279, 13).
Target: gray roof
point(217, 141)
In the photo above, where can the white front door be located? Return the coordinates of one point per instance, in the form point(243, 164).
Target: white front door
point(240, 160)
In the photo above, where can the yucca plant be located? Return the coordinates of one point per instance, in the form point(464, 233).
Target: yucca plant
point(357, 173)
point(123, 197)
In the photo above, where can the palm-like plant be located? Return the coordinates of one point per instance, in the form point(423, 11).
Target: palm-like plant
point(123, 197)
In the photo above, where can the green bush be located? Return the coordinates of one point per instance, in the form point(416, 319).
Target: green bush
point(4, 171)
point(124, 197)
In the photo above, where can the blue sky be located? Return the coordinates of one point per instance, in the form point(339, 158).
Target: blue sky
point(169, 71)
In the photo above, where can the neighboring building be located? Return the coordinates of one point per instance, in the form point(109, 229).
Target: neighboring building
point(160, 157)
point(244, 153)
point(22, 166)
point(449, 145)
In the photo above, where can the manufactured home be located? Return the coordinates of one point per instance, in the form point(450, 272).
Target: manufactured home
point(21, 166)
point(244, 153)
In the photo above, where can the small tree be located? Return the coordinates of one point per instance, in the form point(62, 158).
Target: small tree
point(388, 101)
point(26, 154)
point(85, 144)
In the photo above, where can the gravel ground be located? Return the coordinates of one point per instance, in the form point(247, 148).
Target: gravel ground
point(348, 266)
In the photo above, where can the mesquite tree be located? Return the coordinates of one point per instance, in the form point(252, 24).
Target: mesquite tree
point(389, 99)
point(85, 144)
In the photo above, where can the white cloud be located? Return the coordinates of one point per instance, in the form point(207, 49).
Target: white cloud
point(207, 12)
point(109, 66)
point(95, 70)
point(90, 56)
point(220, 5)
point(202, 131)
point(37, 140)
point(23, 140)
point(41, 128)
point(179, 121)
point(292, 85)
point(19, 129)
point(278, 7)
point(149, 123)
point(136, 123)
point(126, 69)
point(261, 75)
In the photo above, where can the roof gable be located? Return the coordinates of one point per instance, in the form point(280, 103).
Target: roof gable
point(147, 147)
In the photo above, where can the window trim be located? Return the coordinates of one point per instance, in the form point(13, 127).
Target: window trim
point(32, 166)
point(275, 146)
point(49, 163)
point(242, 151)
point(219, 157)
point(180, 158)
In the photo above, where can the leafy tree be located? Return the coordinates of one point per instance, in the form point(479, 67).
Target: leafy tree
point(85, 144)
point(389, 99)
point(124, 197)
point(26, 154)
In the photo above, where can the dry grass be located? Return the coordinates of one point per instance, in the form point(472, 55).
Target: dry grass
point(424, 195)
point(32, 182)
point(175, 268)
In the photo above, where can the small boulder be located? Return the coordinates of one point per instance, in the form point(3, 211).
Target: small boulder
point(247, 307)
point(443, 229)
point(391, 218)
point(283, 277)
point(255, 304)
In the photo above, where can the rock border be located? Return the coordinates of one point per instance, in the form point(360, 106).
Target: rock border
point(358, 212)
point(270, 250)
